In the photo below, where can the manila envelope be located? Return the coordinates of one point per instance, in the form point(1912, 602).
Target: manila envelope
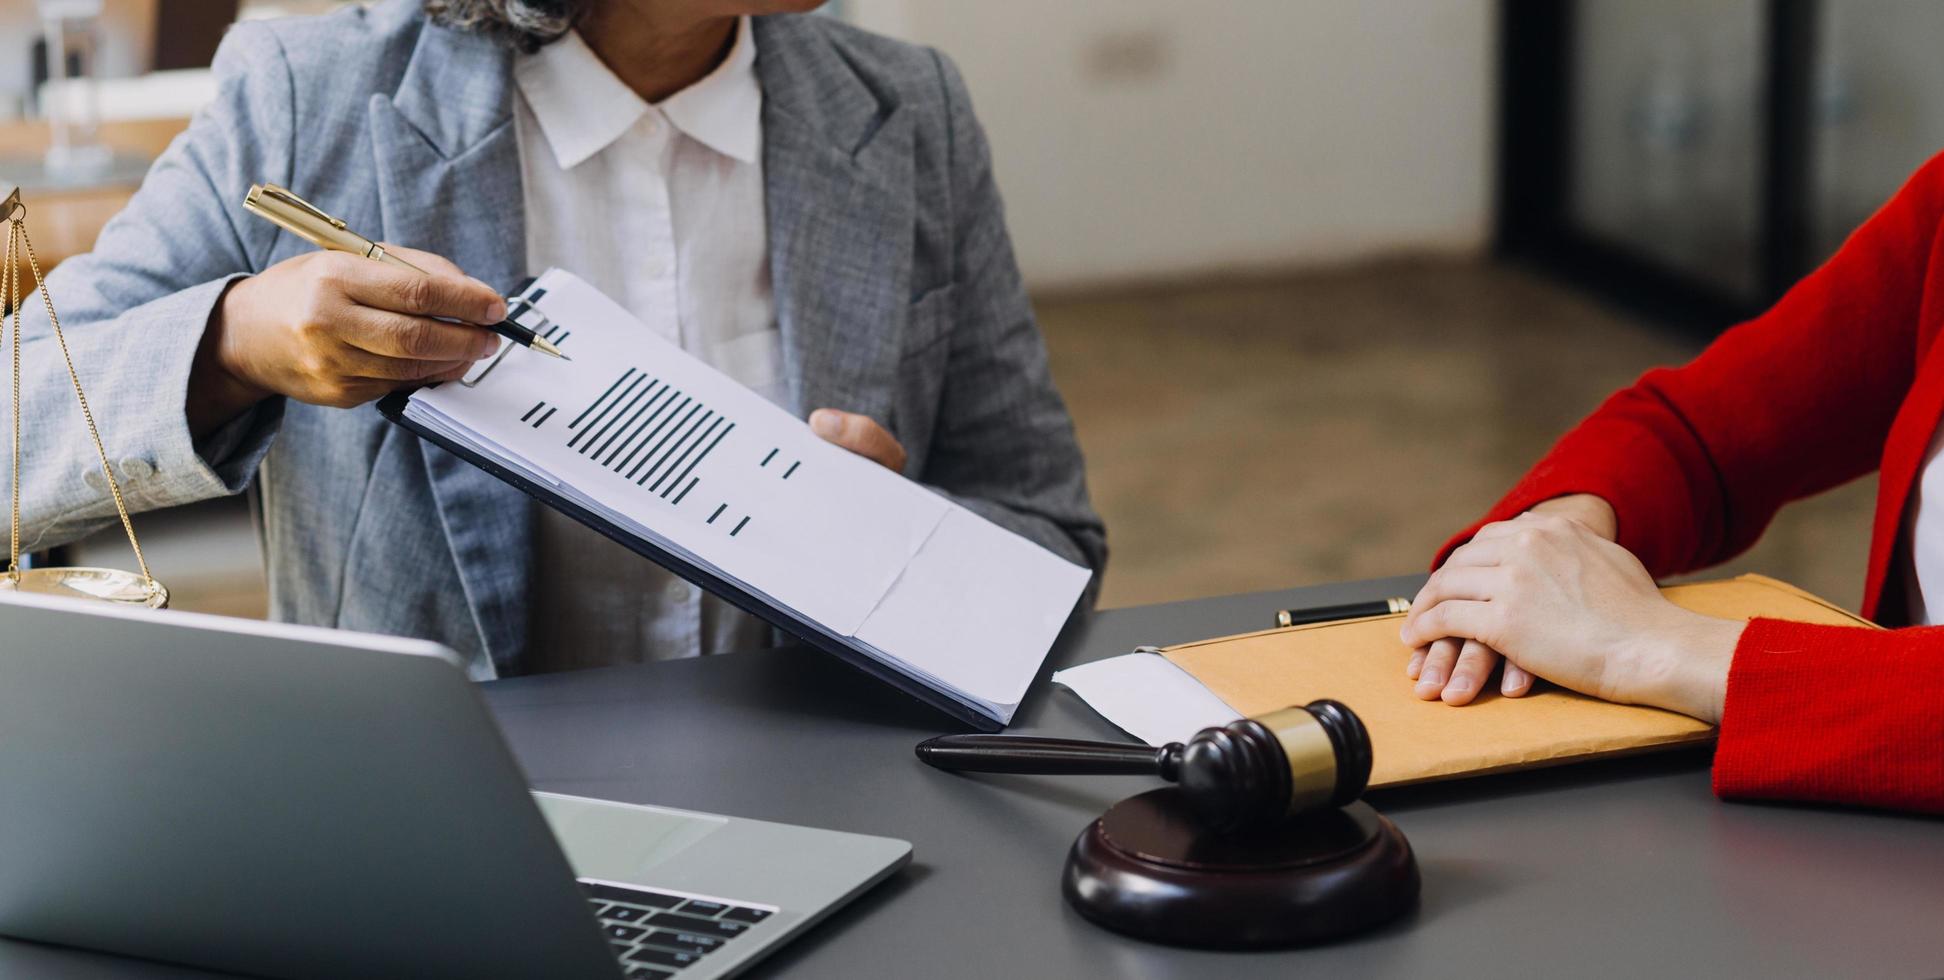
point(1360, 663)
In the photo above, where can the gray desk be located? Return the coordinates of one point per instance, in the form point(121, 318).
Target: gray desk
point(1615, 869)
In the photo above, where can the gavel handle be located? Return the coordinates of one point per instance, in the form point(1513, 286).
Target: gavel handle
point(1026, 754)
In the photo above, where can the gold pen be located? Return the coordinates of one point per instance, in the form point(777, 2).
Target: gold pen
point(297, 216)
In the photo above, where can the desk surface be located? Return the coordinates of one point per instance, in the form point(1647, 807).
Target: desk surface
point(1619, 869)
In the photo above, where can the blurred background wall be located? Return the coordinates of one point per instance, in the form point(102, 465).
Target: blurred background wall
point(1142, 138)
point(1318, 279)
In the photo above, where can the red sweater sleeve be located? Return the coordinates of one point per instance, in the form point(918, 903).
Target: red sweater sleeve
point(1836, 714)
point(1696, 460)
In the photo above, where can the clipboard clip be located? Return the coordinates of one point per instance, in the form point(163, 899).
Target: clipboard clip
point(520, 310)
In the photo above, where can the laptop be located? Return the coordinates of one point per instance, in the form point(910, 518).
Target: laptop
point(293, 802)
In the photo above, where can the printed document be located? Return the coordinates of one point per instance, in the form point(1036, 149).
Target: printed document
point(658, 443)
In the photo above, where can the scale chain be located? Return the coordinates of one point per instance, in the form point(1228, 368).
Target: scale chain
point(17, 239)
point(13, 307)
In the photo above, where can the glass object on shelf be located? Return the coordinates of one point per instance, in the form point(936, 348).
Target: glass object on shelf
point(70, 102)
point(1667, 127)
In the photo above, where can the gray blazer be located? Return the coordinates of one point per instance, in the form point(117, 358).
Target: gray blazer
point(895, 287)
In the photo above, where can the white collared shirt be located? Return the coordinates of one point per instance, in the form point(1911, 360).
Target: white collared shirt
point(660, 207)
point(1924, 539)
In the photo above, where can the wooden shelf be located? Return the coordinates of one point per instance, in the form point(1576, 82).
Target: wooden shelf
point(66, 223)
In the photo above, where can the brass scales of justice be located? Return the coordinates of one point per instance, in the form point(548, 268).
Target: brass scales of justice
point(100, 584)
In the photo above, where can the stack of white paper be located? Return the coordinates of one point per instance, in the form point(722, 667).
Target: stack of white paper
point(1147, 696)
point(660, 444)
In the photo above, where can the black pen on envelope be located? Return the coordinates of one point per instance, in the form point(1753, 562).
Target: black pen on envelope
point(1348, 610)
point(297, 216)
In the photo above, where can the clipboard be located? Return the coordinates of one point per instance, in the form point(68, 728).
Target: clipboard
point(850, 559)
point(392, 407)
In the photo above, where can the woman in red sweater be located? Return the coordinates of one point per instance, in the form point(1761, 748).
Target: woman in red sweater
point(1684, 470)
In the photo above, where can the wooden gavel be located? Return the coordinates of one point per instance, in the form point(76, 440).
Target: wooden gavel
point(1247, 773)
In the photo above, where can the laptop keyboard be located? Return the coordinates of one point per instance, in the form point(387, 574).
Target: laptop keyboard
point(656, 934)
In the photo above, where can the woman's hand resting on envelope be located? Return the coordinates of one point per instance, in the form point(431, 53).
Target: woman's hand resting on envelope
point(1560, 600)
point(1456, 670)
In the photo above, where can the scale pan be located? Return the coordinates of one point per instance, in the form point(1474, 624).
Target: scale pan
point(110, 585)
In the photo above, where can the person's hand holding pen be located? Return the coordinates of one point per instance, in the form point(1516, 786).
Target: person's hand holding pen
point(361, 319)
point(1456, 670)
point(331, 328)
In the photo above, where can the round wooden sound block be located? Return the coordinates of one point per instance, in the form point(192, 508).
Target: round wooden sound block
point(1148, 869)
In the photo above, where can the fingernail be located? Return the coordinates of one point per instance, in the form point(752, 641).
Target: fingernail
point(496, 311)
point(1458, 685)
point(825, 423)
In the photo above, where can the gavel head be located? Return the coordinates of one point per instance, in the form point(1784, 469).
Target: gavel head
point(1261, 770)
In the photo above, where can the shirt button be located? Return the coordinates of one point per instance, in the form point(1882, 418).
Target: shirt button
point(92, 478)
point(679, 591)
point(134, 468)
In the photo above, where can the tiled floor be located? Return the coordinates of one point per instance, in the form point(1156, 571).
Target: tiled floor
point(1339, 425)
point(1255, 435)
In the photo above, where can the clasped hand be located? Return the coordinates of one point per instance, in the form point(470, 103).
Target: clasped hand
point(1561, 601)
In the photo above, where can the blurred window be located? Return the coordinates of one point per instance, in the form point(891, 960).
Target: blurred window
point(1667, 126)
point(1878, 106)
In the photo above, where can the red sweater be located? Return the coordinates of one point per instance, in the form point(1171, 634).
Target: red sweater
point(1844, 376)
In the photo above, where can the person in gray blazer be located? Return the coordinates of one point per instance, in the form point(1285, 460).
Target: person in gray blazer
point(807, 206)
